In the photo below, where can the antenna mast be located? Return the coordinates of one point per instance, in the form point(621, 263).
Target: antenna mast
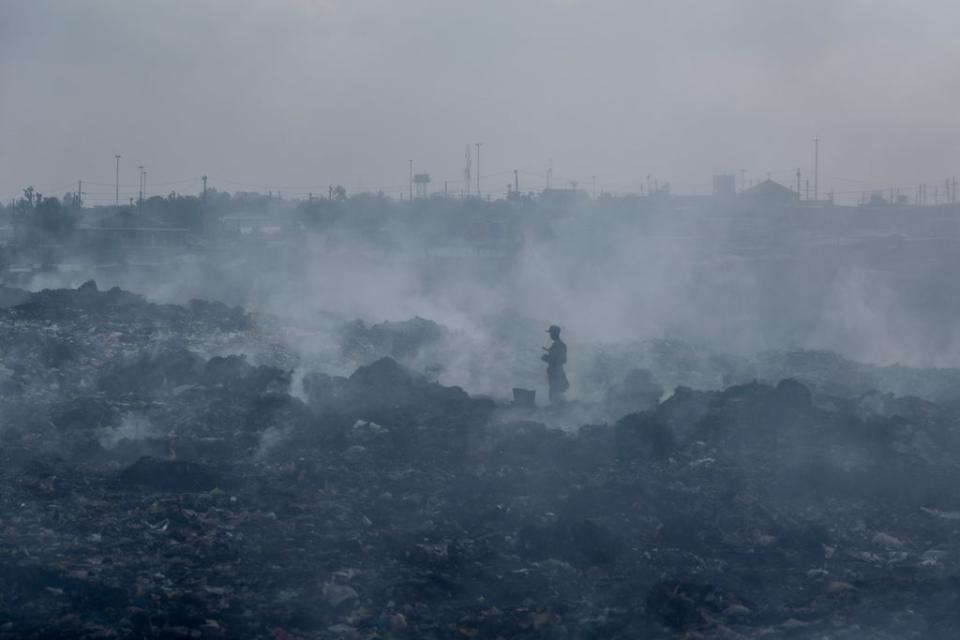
point(816, 168)
point(478, 144)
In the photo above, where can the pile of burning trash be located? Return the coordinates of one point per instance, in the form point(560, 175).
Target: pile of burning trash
point(154, 486)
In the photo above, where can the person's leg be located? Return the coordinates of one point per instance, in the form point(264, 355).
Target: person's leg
point(556, 396)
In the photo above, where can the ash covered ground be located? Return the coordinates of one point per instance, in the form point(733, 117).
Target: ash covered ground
point(274, 360)
point(185, 471)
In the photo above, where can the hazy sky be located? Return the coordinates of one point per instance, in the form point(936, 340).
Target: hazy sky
point(299, 94)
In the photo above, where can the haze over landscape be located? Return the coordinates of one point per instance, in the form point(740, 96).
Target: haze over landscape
point(544, 319)
point(295, 95)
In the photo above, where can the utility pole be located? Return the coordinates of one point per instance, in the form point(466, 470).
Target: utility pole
point(594, 187)
point(79, 194)
point(144, 185)
point(516, 181)
point(410, 184)
point(816, 168)
point(116, 200)
point(140, 190)
point(798, 184)
point(203, 209)
point(478, 145)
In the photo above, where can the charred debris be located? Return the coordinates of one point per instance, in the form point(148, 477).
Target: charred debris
point(157, 484)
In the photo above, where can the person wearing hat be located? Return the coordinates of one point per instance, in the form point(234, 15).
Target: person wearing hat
point(556, 357)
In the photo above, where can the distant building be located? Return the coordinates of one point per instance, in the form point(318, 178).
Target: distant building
point(770, 192)
point(563, 196)
point(724, 186)
point(421, 180)
point(136, 237)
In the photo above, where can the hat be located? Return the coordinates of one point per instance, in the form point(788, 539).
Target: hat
point(553, 328)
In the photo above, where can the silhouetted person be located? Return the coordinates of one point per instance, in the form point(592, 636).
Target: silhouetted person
point(556, 357)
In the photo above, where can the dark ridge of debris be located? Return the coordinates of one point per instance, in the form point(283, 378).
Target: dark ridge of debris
point(398, 340)
point(153, 372)
point(170, 475)
point(11, 296)
point(88, 299)
point(386, 386)
point(149, 490)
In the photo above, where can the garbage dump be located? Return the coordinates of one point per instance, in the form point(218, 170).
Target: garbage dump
point(672, 350)
point(155, 484)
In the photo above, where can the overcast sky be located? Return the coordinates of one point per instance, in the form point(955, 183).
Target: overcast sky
point(294, 95)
